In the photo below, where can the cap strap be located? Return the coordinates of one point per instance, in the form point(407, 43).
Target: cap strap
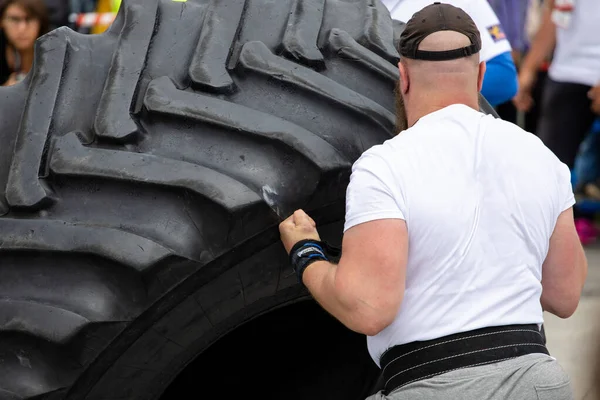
point(445, 55)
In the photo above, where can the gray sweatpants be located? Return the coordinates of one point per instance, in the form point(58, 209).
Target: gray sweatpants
point(530, 377)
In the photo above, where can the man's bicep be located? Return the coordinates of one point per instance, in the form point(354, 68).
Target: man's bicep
point(564, 240)
point(564, 269)
point(565, 187)
point(375, 244)
point(564, 252)
point(387, 238)
point(377, 251)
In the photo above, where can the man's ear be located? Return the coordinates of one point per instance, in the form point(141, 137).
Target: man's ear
point(481, 75)
point(404, 79)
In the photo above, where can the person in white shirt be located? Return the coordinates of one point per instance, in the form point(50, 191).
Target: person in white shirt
point(571, 96)
point(500, 83)
point(449, 228)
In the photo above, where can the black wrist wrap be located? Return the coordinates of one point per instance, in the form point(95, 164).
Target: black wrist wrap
point(308, 251)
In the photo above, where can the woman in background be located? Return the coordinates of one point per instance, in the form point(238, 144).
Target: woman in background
point(21, 23)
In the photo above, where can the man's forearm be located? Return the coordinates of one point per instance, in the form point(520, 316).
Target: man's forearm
point(563, 298)
point(542, 45)
point(320, 279)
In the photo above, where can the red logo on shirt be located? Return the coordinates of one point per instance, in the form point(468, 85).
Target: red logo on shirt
point(564, 7)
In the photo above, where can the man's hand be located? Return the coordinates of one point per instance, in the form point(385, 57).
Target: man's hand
point(523, 101)
point(594, 95)
point(297, 227)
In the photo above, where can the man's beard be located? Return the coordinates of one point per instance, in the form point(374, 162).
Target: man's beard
point(401, 121)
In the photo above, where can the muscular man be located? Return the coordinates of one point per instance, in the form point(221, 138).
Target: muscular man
point(450, 227)
point(500, 83)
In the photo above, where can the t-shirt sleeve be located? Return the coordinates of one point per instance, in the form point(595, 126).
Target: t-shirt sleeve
point(373, 192)
point(565, 187)
point(493, 38)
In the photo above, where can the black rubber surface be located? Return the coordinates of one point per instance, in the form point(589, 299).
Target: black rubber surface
point(143, 173)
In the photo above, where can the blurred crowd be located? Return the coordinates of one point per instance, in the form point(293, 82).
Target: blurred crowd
point(23, 21)
point(543, 73)
point(557, 54)
point(543, 67)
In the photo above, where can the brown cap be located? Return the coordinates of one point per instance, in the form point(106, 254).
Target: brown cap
point(434, 18)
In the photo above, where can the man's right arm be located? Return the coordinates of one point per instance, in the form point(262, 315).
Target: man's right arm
point(564, 270)
point(541, 48)
point(543, 42)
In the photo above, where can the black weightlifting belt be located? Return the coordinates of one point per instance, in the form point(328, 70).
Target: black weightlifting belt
point(415, 361)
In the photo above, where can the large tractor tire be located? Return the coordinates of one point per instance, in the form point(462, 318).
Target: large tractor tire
point(143, 173)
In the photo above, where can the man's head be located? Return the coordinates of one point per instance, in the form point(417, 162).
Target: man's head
point(439, 63)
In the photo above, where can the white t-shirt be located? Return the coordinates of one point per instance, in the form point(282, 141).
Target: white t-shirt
point(577, 54)
point(480, 197)
point(493, 39)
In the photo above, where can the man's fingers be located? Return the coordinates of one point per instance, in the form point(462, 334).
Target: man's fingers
point(288, 223)
point(306, 218)
point(299, 213)
point(302, 218)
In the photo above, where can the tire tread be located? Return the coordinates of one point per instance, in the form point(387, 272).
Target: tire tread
point(302, 33)
point(89, 285)
point(221, 26)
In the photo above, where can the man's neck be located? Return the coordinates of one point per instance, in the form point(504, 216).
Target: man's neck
point(413, 114)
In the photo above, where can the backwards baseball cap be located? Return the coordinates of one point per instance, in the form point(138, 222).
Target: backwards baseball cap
point(434, 18)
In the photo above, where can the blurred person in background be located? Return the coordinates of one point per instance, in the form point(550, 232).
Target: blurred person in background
point(500, 81)
point(58, 13)
point(571, 97)
point(532, 25)
point(514, 16)
point(21, 23)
